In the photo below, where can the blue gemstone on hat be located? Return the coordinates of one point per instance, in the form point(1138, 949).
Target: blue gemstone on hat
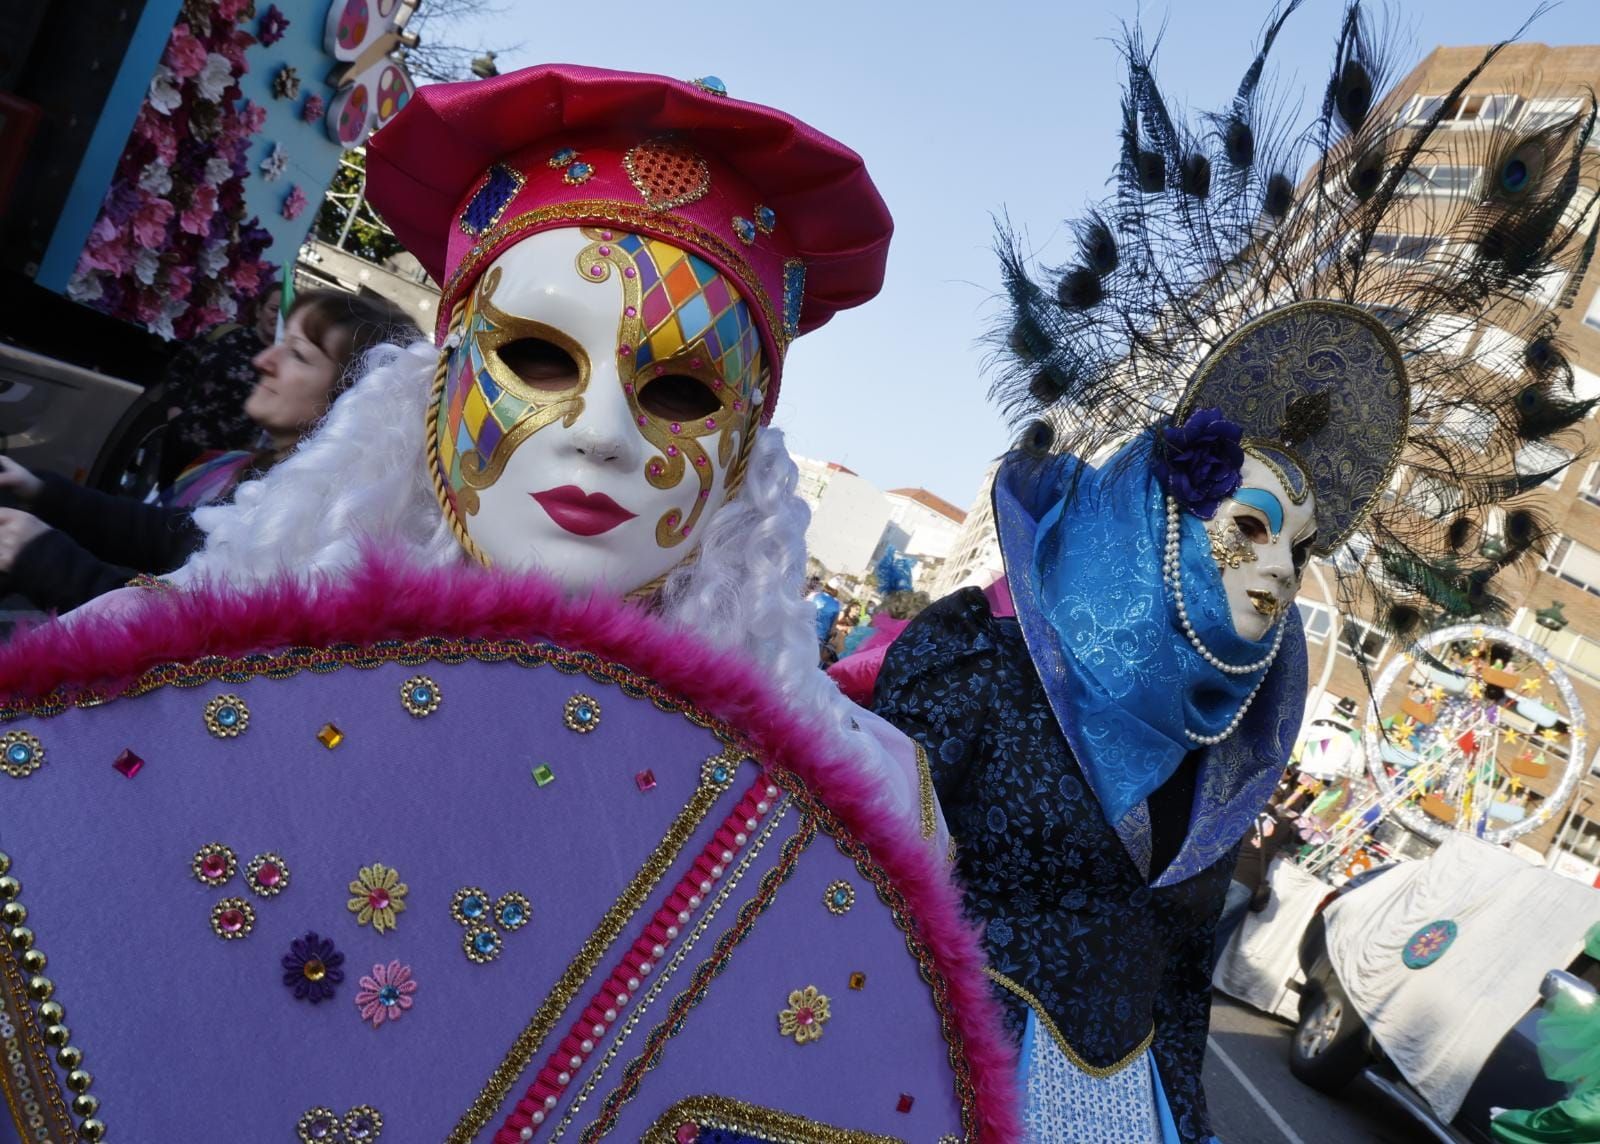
point(584, 714)
point(577, 173)
point(227, 716)
point(745, 229)
point(421, 694)
point(472, 906)
point(512, 914)
point(710, 83)
point(794, 295)
point(766, 219)
point(562, 157)
point(486, 942)
point(20, 753)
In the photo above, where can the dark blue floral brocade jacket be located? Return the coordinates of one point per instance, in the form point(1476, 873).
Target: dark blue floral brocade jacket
point(1114, 963)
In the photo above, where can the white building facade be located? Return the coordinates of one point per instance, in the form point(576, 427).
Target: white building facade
point(848, 515)
point(974, 559)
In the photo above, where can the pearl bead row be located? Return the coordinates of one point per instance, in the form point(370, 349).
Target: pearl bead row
point(1171, 573)
point(625, 1030)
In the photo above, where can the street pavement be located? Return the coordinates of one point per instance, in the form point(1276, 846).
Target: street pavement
point(1266, 1105)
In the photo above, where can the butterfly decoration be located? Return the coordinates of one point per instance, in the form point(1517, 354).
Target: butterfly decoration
point(372, 86)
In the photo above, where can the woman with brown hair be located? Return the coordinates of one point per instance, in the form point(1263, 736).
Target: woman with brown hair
point(73, 544)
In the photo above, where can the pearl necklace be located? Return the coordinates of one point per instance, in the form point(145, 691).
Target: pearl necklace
point(1171, 573)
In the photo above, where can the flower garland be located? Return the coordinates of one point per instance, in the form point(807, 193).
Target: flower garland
point(172, 248)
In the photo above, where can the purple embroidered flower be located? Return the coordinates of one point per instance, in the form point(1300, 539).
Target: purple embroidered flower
point(294, 202)
point(1198, 462)
point(312, 968)
point(273, 25)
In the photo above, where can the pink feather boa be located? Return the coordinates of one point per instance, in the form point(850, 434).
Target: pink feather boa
point(385, 601)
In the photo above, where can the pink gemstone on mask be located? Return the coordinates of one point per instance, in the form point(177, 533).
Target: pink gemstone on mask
point(596, 271)
point(737, 404)
point(643, 420)
point(606, 234)
point(624, 350)
point(631, 312)
point(700, 462)
point(694, 364)
point(676, 428)
point(687, 529)
point(628, 273)
point(655, 470)
point(704, 493)
point(711, 422)
point(672, 450)
point(629, 387)
point(604, 250)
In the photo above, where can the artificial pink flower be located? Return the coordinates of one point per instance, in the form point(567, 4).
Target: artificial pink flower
point(158, 131)
point(294, 202)
point(196, 218)
point(246, 277)
point(180, 281)
point(385, 994)
point(185, 54)
point(207, 316)
point(150, 221)
point(251, 118)
point(312, 109)
point(106, 251)
point(231, 10)
point(147, 306)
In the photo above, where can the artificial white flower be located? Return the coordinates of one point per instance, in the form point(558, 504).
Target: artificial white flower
point(214, 78)
point(273, 166)
point(85, 287)
point(156, 178)
point(217, 170)
point(225, 302)
point(145, 265)
point(213, 257)
point(164, 94)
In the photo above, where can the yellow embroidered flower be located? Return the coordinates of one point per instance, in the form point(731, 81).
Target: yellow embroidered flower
point(804, 1018)
point(379, 895)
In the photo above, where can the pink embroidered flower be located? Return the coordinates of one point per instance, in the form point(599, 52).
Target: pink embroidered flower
point(385, 994)
point(294, 202)
point(185, 54)
point(312, 109)
point(150, 223)
point(196, 218)
point(273, 25)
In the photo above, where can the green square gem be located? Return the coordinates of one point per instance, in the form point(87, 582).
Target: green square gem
point(543, 775)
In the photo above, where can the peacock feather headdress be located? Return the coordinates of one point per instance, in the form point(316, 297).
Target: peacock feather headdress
point(1372, 296)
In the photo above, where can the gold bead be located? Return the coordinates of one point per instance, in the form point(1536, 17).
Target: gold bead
point(34, 961)
point(86, 1105)
point(40, 988)
point(57, 1035)
point(51, 1013)
point(9, 888)
point(21, 937)
point(5, 862)
point(69, 1056)
point(92, 1131)
point(79, 1081)
point(13, 913)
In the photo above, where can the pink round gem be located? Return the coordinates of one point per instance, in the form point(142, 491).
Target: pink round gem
point(672, 518)
point(803, 1016)
point(716, 382)
point(628, 272)
point(606, 234)
point(628, 388)
point(737, 404)
point(655, 469)
point(378, 899)
point(694, 363)
point(672, 450)
point(604, 250)
point(643, 420)
point(660, 369)
point(214, 866)
point(675, 427)
point(700, 462)
point(232, 920)
point(688, 1132)
point(269, 874)
point(704, 493)
point(596, 271)
point(624, 350)
point(630, 311)
point(687, 529)
point(711, 422)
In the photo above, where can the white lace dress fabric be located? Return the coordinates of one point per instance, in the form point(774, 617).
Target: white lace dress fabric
point(1065, 1105)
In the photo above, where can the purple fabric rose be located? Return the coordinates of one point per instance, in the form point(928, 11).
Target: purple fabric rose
point(1198, 462)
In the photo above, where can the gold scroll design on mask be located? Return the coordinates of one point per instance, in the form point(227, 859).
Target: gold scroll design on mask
point(488, 328)
point(677, 452)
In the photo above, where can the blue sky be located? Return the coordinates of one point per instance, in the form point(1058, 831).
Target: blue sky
point(960, 110)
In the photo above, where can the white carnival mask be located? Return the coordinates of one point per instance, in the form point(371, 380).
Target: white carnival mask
point(1261, 540)
point(598, 408)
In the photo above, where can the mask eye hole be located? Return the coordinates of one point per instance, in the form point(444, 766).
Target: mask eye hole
point(540, 365)
point(678, 397)
point(1252, 528)
point(1302, 553)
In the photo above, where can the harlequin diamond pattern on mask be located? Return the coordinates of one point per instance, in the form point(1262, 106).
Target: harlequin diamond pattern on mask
point(479, 412)
point(684, 298)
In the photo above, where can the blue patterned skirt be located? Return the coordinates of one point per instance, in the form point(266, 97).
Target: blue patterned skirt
point(1062, 1104)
